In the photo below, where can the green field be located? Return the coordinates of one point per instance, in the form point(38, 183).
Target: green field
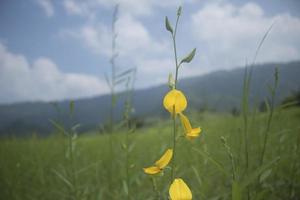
point(42, 168)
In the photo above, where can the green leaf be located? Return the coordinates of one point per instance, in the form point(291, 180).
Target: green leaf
point(289, 104)
point(59, 127)
point(189, 57)
point(75, 127)
point(124, 146)
point(265, 175)
point(253, 176)
point(197, 175)
point(125, 73)
point(168, 25)
point(122, 80)
point(74, 136)
point(63, 178)
point(131, 146)
point(107, 80)
point(125, 187)
point(171, 81)
point(216, 163)
point(179, 10)
point(267, 104)
point(236, 191)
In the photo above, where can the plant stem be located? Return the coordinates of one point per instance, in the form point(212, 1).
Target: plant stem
point(294, 168)
point(112, 94)
point(268, 129)
point(175, 51)
point(155, 189)
point(245, 114)
point(230, 155)
point(127, 166)
point(174, 145)
point(245, 103)
point(174, 114)
point(127, 118)
point(73, 168)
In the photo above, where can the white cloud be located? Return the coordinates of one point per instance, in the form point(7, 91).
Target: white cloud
point(231, 34)
point(96, 37)
point(87, 8)
point(42, 80)
point(133, 7)
point(47, 6)
point(225, 36)
point(135, 41)
point(135, 47)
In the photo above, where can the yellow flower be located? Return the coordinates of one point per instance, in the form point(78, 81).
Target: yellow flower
point(175, 98)
point(179, 190)
point(160, 164)
point(190, 133)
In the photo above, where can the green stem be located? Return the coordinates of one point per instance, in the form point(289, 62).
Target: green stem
point(127, 160)
point(112, 93)
point(127, 117)
point(174, 114)
point(155, 188)
point(174, 146)
point(267, 130)
point(72, 167)
point(175, 51)
point(247, 79)
point(273, 94)
point(230, 155)
point(294, 168)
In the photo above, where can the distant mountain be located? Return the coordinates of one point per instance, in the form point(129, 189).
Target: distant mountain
point(220, 91)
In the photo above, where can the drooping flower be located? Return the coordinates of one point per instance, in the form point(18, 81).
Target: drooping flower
point(190, 133)
point(160, 164)
point(175, 99)
point(179, 190)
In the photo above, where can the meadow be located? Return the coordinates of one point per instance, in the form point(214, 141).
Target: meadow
point(40, 168)
point(251, 153)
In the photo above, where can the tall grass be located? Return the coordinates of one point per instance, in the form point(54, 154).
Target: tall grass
point(231, 160)
point(119, 79)
point(26, 165)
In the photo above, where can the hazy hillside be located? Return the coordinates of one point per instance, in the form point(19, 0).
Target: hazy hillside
point(219, 91)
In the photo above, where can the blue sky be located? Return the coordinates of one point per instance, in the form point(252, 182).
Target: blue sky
point(60, 49)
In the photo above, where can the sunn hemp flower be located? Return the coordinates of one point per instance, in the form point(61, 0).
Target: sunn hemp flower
point(179, 190)
point(175, 100)
point(160, 164)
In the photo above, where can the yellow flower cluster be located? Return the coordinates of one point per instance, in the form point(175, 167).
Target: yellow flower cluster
point(175, 102)
point(178, 189)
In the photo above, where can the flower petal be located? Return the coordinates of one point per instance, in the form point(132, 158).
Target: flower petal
point(152, 170)
point(175, 98)
point(165, 159)
point(186, 123)
point(195, 132)
point(179, 190)
point(190, 133)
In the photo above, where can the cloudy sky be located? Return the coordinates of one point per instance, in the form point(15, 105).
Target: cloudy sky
point(60, 49)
